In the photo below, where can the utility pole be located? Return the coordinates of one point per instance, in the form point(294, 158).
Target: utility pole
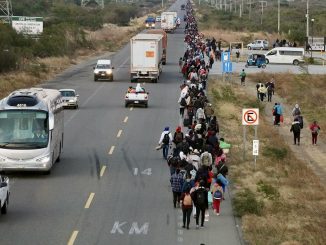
point(263, 4)
point(230, 2)
point(250, 3)
point(221, 4)
point(307, 17)
point(278, 17)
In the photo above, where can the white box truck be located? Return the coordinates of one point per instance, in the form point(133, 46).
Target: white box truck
point(168, 21)
point(146, 57)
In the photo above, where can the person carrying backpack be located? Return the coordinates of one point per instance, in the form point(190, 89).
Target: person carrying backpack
point(178, 136)
point(206, 158)
point(186, 208)
point(217, 192)
point(296, 111)
point(295, 128)
point(200, 198)
point(165, 141)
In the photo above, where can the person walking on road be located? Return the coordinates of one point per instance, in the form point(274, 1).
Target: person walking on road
point(176, 181)
point(296, 111)
point(314, 128)
point(217, 192)
point(243, 77)
point(295, 128)
point(200, 198)
point(237, 53)
point(262, 92)
point(269, 92)
point(165, 141)
point(186, 208)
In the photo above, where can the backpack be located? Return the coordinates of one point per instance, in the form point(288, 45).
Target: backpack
point(166, 139)
point(200, 198)
point(187, 200)
point(297, 112)
point(205, 159)
point(296, 128)
point(183, 102)
point(178, 137)
point(300, 118)
point(217, 194)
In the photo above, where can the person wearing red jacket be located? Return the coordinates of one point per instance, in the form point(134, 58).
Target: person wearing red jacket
point(314, 127)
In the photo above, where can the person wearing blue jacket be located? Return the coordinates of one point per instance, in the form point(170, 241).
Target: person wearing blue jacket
point(278, 112)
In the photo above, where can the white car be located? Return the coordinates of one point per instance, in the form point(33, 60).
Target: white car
point(4, 194)
point(136, 97)
point(258, 44)
point(103, 70)
point(69, 97)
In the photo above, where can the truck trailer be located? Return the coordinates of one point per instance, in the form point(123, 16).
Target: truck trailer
point(146, 57)
point(168, 21)
point(164, 41)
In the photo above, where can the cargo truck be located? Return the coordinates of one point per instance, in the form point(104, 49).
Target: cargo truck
point(168, 21)
point(164, 41)
point(146, 57)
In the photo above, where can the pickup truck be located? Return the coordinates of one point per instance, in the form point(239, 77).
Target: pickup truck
point(136, 97)
point(4, 194)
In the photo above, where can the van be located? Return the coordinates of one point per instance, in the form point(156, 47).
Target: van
point(103, 70)
point(285, 55)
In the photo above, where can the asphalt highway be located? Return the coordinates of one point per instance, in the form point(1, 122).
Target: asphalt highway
point(111, 185)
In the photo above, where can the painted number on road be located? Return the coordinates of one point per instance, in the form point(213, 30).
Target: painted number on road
point(147, 171)
point(134, 228)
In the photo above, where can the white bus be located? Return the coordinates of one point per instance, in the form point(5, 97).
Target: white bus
point(31, 130)
point(285, 55)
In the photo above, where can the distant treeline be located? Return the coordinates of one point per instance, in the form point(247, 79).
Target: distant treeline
point(63, 31)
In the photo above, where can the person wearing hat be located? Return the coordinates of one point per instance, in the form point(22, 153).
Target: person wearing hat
point(165, 141)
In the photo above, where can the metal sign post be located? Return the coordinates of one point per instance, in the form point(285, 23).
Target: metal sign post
point(250, 116)
point(255, 151)
point(226, 64)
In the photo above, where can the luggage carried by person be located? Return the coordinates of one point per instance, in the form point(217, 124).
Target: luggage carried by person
point(300, 118)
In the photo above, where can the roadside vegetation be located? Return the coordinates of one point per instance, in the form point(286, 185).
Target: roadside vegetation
point(292, 24)
point(70, 33)
point(280, 200)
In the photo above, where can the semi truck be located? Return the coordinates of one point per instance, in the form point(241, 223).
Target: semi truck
point(146, 57)
point(168, 21)
point(164, 41)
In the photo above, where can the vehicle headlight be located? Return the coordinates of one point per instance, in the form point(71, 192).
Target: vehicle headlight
point(96, 72)
point(146, 24)
point(72, 100)
point(44, 159)
point(109, 72)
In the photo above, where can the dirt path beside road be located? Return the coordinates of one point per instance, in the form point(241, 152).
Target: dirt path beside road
point(314, 156)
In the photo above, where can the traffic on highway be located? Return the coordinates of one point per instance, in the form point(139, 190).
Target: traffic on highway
point(123, 168)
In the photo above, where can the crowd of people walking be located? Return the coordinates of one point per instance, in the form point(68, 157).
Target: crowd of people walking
point(197, 161)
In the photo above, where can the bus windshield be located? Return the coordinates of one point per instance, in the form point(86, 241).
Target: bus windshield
point(23, 129)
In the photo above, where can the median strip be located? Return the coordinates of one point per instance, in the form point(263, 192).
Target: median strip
point(111, 150)
point(89, 200)
point(72, 238)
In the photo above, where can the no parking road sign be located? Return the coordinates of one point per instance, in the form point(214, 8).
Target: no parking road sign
point(250, 116)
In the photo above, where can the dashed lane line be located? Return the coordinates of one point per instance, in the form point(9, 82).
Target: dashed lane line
point(102, 171)
point(111, 150)
point(119, 133)
point(72, 238)
point(89, 200)
point(131, 108)
point(125, 120)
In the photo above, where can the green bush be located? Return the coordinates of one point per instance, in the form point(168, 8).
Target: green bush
point(275, 153)
point(246, 202)
point(268, 190)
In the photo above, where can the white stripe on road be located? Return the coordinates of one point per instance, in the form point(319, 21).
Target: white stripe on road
point(119, 133)
point(102, 171)
point(125, 120)
point(72, 238)
point(111, 150)
point(89, 200)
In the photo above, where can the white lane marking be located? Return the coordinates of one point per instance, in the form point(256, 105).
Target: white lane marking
point(102, 171)
point(111, 150)
point(92, 95)
point(180, 224)
point(147, 171)
point(72, 238)
point(89, 200)
point(135, 171)
point(135, 229)
point(131, 108)
point(180, 232)
point(180, 239)
point(125, 120)
point(117, 227)
point(119, 133)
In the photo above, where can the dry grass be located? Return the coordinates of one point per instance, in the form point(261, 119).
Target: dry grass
point(294, 210)
point(306, 90)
